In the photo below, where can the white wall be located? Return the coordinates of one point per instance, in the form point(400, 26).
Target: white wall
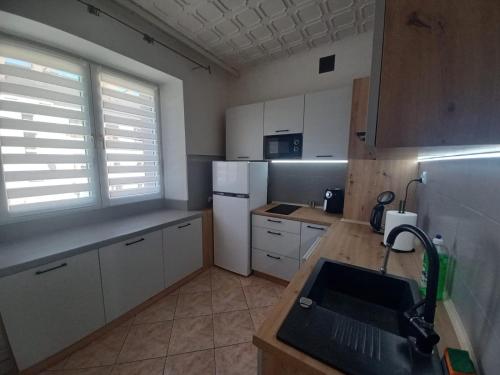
point(205, 97)
point(298, 73)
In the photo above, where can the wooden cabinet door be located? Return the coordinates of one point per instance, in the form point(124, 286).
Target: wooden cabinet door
point(50, 307)
point(245, 132)
point(326, 124)
point(440, 74)
point(132, 272)
point(284, 116)
point(183, 253)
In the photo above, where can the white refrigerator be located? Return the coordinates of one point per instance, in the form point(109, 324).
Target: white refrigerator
point(238, 188)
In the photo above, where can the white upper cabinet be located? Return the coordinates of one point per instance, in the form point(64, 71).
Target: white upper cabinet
point(284, 116)
point(244, 132)
point(326, 124)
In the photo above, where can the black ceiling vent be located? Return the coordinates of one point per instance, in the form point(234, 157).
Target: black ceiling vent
point(327, 64)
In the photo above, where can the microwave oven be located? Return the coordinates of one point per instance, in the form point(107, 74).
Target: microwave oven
point(285, 146)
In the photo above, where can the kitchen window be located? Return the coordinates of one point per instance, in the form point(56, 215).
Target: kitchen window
point(69, 138)
point(130, 132)
point(46, 141)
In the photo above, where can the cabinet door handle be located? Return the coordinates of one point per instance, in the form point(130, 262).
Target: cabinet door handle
point(282, 131)
point(51, 269)
point(324, 156)
point(274, 221)
point(133, 242)
point(317, 228)
point(275, 233)
point(272, 256)
point(242, 157)
point(183, 226)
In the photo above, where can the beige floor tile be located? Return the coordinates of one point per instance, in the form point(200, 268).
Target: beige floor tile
point(236, 360)
point(231, 299)
point(200, 283)
point(195, 363)
point(222, 279)
point(101, 352)
point(160, 311)
point(146, 341)
point(85, 371)
point(259, 314)
point(191, 334)
point(253, 280)
point(279, 289)
point(232, 328)
point(193, 304)
point(147, 367)
point(260, 296)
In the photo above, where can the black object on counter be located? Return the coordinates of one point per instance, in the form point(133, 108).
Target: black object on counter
point(283, 209)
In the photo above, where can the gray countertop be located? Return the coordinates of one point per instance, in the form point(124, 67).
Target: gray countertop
point(22, 255)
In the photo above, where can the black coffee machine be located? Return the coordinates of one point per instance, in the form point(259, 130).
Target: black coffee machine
point(384, 198)
point(334, 201)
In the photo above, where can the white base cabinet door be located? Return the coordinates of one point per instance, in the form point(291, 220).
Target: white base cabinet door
point(48, 308)
point(308, 234)
point(245, 132)
point(183, 252)
point(132, 272)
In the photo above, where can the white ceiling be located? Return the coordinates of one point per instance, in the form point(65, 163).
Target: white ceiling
point(246, 32)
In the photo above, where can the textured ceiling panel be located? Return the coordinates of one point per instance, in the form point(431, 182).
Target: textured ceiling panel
point(244, 32)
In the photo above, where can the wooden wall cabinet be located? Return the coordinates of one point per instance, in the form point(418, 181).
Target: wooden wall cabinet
point(435, 73)
point(245, 132)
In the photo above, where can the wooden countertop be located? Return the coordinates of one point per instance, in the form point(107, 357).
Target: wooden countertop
point(308, 214)
point(350, 243)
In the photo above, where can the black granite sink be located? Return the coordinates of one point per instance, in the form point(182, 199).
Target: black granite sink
point(355, 321)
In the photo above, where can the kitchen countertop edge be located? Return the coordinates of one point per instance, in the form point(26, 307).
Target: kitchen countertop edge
point(18, 256)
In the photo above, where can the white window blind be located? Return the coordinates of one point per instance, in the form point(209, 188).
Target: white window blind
point(45, 133)
point(131, 138)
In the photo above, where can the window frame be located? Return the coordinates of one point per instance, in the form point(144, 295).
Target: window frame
point(97, 69)
point(98, 175)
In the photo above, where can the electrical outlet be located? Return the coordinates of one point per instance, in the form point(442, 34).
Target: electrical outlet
point(424, 177)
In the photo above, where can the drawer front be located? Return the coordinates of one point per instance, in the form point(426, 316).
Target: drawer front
point(276, 241)
point(308, 234)
point(274, 264)
point(290, 226)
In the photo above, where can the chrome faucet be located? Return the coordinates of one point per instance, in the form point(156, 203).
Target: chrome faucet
point(426, 337)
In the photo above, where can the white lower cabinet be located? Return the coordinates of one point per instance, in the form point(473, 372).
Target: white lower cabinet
point(308, 234)
point(132, 272)
point(274, 264)
point(50, 307)
point(278, 245)
point(183, 252)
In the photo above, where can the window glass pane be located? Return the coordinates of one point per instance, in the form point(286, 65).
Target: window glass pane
point(46, 147)
point(131, 138)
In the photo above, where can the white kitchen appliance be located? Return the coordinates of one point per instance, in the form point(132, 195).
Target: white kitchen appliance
point(238, 188)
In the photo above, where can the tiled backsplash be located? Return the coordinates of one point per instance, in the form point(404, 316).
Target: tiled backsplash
point(301, 183)
point(461, 201)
